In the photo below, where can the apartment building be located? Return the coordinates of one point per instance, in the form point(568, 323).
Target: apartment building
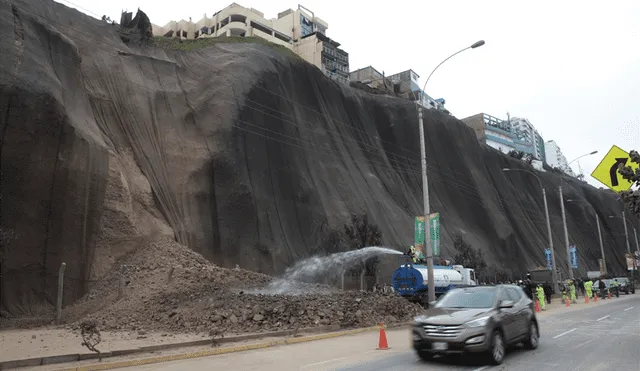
point(299, 30)
point(525, 131)
point(407, 85)
point(555, 158)
point(497, 133)
point(372, 78)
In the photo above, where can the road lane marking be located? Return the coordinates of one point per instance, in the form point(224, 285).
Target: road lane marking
point(323, 362)
point(481, 368)
point(601, 318)
point(628, 309)
point(564, 333)
point(583, 344)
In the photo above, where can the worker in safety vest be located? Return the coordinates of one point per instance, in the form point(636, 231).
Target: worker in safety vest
point(540, 296)
point(588, 287)
point(614, 285)
point(412, 254)
point(572, 291)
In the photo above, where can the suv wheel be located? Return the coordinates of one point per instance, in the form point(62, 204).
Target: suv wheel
point(532, 339)
point(498, 348)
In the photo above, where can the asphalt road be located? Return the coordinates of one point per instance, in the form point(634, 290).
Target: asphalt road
point(604, 336)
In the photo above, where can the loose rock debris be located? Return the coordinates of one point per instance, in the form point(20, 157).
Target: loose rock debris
point(202, 297)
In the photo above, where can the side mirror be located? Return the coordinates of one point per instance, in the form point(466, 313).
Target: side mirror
point(506, 304)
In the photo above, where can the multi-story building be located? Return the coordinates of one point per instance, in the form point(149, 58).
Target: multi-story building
point(407, 86)
point(498, 134)
point(555, 158)
point(299, 30)
point(372, 78)
point(525, 131)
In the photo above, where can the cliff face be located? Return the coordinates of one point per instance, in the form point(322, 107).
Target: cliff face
point(240, 153)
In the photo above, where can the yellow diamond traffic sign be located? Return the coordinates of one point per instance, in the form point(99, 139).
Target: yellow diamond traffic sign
point(607, 170)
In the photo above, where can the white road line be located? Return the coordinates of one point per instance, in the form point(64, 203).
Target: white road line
point(601, 318)
point(564, 333)
point(628, 309)
point(481, 368)
point(583, 344)
point(323, 362)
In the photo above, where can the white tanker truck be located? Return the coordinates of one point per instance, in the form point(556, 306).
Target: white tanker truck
point(411, 280)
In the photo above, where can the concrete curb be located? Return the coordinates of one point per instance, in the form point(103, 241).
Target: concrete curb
point(324, 332)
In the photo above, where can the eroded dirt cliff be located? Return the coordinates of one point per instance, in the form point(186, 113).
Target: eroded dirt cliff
point(238, 152)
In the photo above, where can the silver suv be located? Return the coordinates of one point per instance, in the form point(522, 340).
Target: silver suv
point(482, 320)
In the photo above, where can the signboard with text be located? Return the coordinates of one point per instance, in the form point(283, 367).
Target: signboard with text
point(547, 254)
point(573, 254)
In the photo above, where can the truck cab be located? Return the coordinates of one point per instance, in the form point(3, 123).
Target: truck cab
point(468, 275)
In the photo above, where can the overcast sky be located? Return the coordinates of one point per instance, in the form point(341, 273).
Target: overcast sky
point(571, 67)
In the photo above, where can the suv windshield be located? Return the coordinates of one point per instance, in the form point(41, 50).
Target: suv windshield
point(623, 280)
point(468, 298)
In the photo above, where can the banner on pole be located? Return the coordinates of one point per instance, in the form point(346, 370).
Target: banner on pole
point(434, 232)
point(573, 254)
point(419, 235)
point(547, 254)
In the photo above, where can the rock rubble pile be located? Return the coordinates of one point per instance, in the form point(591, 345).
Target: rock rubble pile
point(198, 296)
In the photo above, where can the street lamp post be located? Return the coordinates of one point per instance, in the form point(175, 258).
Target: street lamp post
point(626, 234)
point(604, 261)
point(431, 293)
point(564, 218)
point(554, 273)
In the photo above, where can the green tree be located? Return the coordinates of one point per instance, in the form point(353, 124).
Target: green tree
point(468, 256)
point(631, 197)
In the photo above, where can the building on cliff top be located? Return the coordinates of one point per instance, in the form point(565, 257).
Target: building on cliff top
point(404, 84)
point(298, 30)
point(498, 134)
point(555, 158)
point(524, 130)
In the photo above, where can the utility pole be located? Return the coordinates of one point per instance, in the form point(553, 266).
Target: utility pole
point(626, 233)
point(431, 290)
point(604, 262)
point(554, 267)
point(566, 235)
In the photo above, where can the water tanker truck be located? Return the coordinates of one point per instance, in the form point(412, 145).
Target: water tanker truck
point(410, 280)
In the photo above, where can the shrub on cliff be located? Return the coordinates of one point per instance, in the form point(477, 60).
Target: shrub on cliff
point(631, 197)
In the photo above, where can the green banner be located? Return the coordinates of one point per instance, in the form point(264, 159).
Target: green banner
point(434, 230)
point(419, 235)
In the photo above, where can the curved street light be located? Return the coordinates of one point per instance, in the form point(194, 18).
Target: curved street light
point(554, 278)
point(564, 217)
point(431, 293)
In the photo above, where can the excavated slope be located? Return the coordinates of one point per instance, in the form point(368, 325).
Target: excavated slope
point(239, 152)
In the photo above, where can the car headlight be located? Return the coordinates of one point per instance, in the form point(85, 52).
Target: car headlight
point(479, 322)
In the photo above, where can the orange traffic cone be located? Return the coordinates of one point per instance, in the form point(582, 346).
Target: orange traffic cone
point(382, 342)
point(595, 297)
point(537, 305)
point(608, 294)
point(567, 303)
point(586, 299)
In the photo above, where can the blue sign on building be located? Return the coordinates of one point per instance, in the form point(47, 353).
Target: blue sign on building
point(573, 254)
point(547, 254)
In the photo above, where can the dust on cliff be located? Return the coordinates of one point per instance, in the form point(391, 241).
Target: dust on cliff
point(238, 152)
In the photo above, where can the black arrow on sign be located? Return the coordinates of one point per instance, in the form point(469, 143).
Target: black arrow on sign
point(613, 172)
